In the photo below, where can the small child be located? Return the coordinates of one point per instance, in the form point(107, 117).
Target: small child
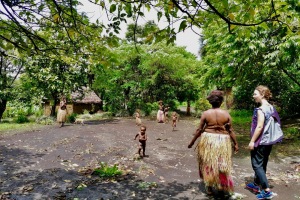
point(174, 119)
point(138, 120)
point(166, 112)
point(142, 137)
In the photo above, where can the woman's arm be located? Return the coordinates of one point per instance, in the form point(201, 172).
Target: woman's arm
point(198, 131)
point(229, 128)
point(258, 129)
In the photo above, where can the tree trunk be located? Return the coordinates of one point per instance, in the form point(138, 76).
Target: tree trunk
point(53, 108)
point(188, 108)
point(228, 98)
point(2, 107)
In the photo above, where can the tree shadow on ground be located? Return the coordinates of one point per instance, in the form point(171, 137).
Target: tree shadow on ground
point(20, 181)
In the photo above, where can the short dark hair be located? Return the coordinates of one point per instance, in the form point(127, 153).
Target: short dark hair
point(143, 127)
point(215, 98)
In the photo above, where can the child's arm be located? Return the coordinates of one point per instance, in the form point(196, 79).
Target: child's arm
point(136, 136)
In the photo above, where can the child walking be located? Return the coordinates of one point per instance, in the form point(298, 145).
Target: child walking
point(174, 119)
point(138, 120)
point(142, 137)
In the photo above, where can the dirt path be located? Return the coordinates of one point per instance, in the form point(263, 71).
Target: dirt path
point(54, 163)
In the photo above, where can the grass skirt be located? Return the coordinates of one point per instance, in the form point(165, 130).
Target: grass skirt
point(61, 115)
point(160, 116)
point(214, 157)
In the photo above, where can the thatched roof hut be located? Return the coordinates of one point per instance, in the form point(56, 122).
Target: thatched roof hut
point(81, 101)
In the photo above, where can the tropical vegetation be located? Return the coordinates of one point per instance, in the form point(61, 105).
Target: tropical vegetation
point(50, 48)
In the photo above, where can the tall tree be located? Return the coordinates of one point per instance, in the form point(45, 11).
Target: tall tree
point(10, 69)
point(266, 55)
point(154, 72)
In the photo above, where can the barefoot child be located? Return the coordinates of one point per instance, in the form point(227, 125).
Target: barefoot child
point(166, 113)
point(174, 119)
point(142, 137)
point(138, 120)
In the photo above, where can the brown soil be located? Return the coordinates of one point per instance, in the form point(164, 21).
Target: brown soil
point(56, 163)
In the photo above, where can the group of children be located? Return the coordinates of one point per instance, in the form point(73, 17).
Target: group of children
point(142, 136)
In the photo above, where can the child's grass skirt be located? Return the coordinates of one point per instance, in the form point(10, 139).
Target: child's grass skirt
point(214, 157)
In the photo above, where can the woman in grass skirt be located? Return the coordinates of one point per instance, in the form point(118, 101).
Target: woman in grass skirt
point(62, 112)
point(214, 149)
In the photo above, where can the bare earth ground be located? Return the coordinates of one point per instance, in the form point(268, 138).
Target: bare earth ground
point(55, 163)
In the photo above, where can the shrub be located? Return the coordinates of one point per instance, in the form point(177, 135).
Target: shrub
point(241, 117)
point(107, 171)
point(123, 113)
point(202, 105)
point(107, 115)
point(153, 114)
point(72, 117)
point(45, 120)
point(291, 132)
point(21, 119)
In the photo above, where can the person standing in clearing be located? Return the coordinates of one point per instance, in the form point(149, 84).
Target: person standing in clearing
point(174, 120)
point(214, 149)
point(62, 112)
point(160, 114)
point(261, 150)
point(138, 120)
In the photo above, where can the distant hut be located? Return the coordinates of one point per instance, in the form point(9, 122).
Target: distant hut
point(87, 101)
point(79, 102)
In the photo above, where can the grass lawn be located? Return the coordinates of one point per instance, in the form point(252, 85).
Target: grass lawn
point(9, 128)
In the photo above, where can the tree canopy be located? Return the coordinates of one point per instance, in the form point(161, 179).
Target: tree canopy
point(20, 20)
point(244, 43)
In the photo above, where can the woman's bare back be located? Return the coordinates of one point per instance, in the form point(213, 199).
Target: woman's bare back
point(215, 120)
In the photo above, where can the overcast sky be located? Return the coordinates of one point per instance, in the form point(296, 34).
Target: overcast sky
point(188, 38)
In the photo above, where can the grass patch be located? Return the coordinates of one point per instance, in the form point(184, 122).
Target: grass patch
point(147, 185)
point(12, 128)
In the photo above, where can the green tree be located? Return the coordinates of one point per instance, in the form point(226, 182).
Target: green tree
point(22, 17)
point(10, 69)
point(152, 73)
point(268, 55)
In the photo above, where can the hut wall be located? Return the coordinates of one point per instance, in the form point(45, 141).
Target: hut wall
point(47, 109)
point(80, 107)
point(77, 108)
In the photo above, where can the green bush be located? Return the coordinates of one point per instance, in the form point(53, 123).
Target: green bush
point(72, 118)
point(149, 107)
point(21, 119)
point(291, 132)
point(241, 117)
point(107, 171)
point(202, 105)
point(107, 115)
point(153, 114)
point(122, 113)
point(45, 120)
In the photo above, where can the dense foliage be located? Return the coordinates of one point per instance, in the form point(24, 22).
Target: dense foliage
point(139, 78)
point(269, 55)
point(51, 48)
